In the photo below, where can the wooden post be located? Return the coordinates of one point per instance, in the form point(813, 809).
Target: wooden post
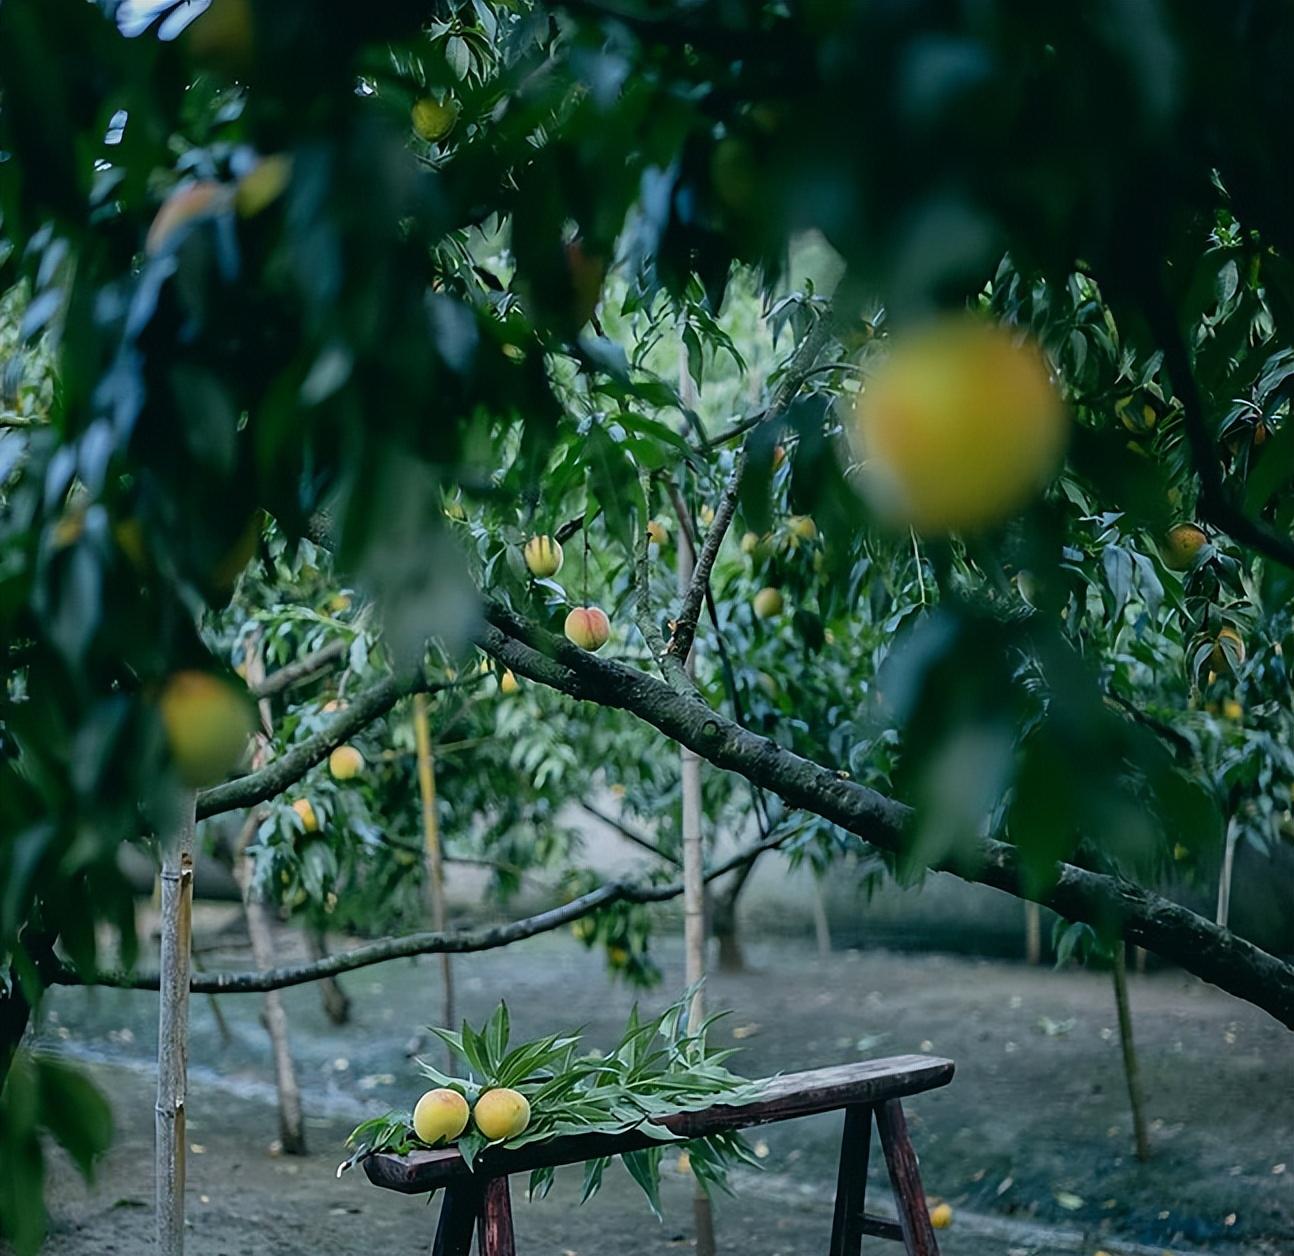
point(851, 1182)
point(494, 1230)
point(459, 1211)
point(693, 890)
point(431, 843)
point(905, 1178)
point(1131, 1070)
point(173, 1032)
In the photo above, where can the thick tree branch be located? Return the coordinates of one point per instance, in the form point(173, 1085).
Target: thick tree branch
point(427, 943)
point(304, 668)
point(275, 777)
point(1144, 918)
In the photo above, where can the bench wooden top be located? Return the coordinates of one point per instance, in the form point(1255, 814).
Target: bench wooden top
point(790, 1095)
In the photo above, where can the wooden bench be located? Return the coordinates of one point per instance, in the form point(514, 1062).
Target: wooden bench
point(479, 1200)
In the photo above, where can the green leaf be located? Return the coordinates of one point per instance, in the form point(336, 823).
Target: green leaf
point(613, 479)
point(593, 1171)
point(496, 1033)
point(470, 1145)
point(74, 1112)
point(644, 1168)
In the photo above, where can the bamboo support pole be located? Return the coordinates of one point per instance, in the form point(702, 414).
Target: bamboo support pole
point(431, 842)
point(693, 890)
point(173, 1034)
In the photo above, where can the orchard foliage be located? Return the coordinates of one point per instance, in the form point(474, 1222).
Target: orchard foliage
point(312, 315)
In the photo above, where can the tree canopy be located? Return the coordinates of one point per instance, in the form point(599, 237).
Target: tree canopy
point(315, 314)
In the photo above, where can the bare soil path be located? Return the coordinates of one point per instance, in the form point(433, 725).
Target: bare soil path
point(1030, 1144)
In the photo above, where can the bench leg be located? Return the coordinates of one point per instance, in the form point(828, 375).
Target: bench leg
point(851, 1182)
point(495, 1225)
point(458, 1212)
point(905, 1177)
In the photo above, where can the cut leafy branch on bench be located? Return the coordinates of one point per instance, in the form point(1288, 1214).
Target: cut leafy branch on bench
point(661, 1064)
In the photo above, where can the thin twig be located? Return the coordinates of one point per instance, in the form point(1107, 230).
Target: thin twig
point(688, 535)
point(433, 943)
point(304, 668)
point(680, 642)
point(629, 833)
point(670, 665)
point(798, 370)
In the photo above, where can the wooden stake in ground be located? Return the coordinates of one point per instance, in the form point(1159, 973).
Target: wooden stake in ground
point(431, 843)
point(693, 892)
point(173, 1033)
point(1131, 1071)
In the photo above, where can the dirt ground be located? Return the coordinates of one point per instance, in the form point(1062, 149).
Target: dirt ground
point(1030, 1144)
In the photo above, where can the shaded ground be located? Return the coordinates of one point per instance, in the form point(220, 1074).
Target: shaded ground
point(1034, 1128)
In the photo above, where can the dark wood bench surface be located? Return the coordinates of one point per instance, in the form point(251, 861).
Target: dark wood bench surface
point(791, 1095)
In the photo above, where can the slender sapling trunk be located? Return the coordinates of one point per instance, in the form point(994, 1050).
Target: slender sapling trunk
point(1032, 933)
point(1224, 876)
point(292, 1130)
point(1131, 1070)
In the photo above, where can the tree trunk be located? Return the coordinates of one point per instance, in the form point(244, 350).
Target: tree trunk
point(292, 1132)
point(1032, 933)
point(222, 1025)
point(173, 1034)
point(731, 958)
point(434, 854)
point(821, 925)
point(336, 1002)
point(1224, 876)
point(15, 1012)
point(693, 893)
point(725, 924)
point(1131, 1070)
